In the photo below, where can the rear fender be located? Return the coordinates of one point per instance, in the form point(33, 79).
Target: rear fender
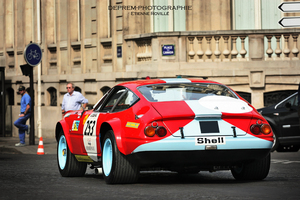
point(115, 123)
point(62, 125)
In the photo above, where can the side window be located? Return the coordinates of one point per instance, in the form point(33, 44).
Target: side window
point(293, 101)
point(126, 101)
point(113, 99)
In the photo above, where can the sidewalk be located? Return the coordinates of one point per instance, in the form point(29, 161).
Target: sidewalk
point(7, 146)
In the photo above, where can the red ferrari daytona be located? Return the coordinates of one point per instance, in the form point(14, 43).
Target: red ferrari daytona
point(182, 125)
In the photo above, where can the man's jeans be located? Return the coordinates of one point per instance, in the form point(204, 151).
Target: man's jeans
point(20, 123)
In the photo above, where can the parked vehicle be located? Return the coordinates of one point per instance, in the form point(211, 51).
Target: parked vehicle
point(182, 125)
point(284, 120)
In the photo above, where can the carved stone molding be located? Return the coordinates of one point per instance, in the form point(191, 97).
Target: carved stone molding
point(257, 79)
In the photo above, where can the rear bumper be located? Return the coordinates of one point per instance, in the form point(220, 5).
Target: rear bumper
point(203, 159)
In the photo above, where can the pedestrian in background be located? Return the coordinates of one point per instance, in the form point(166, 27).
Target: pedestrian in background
point(73, 100)
point(25, 113)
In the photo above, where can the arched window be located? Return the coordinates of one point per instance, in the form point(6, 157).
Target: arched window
point(104, 89)
point(78, 89)
point(52, 96)
point(10, 96)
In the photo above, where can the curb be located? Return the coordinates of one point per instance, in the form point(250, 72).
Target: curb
point(7, 146)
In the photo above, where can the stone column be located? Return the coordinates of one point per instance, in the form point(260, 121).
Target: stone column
point(257, 98)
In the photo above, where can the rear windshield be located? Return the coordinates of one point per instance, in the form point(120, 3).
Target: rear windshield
point(183, 91)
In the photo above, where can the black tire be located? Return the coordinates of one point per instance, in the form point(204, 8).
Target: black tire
point(67, 163)
point(115, 166)
point(257, 170)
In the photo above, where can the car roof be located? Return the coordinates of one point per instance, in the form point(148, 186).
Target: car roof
point(138, 83)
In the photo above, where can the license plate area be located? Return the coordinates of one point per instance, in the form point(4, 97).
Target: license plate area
point(210, 140)
point(209, 127)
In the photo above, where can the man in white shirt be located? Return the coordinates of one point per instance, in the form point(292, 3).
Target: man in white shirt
point(73, 100)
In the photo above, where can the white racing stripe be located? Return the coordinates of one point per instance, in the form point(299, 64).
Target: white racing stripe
point(225, 104)
point(177, 80)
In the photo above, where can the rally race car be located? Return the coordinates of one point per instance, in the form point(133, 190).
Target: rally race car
point(181, 125)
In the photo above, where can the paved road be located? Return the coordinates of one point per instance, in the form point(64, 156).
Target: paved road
point(31, 176)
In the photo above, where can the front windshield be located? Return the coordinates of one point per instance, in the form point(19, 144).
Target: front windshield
point(183, 91)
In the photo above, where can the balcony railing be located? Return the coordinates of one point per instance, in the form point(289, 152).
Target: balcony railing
point(219, 46)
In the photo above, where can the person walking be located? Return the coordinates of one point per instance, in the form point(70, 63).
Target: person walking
point(25, 113)
point(72, 100)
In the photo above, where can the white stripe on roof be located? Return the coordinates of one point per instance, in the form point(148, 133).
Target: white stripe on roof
point(176, 80)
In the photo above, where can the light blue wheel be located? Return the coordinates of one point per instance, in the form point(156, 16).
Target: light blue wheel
point(67, 164)
point(62, 152)
point(115, 166)
point(107, 157)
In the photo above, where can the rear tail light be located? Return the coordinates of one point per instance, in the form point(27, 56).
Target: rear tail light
point(260, 128)
point(150, 131)
point(160, 131)
point(265, 129)
point(255, 128)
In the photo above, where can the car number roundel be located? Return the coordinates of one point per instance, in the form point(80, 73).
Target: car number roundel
point(89, 133)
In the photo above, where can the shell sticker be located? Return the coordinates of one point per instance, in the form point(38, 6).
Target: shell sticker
point(132, 125)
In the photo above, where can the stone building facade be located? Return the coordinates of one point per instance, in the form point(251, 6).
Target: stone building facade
point(99, 43)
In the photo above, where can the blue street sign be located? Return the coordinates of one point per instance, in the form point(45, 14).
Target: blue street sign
point(168, 50)
point(33, 54)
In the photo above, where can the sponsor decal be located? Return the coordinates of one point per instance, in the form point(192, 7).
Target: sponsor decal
point(210, 140)
point(90, 148)
point(82, 158)
point(75, 125)
point(94, 115)
point(132, 125)
point(84, 120)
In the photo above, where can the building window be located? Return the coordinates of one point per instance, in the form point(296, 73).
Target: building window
point(169, 20)
point(52, 96)
point(256, 14)
point(246, 96)
point(78, 89)
point(104, 89)
point(10, 96)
